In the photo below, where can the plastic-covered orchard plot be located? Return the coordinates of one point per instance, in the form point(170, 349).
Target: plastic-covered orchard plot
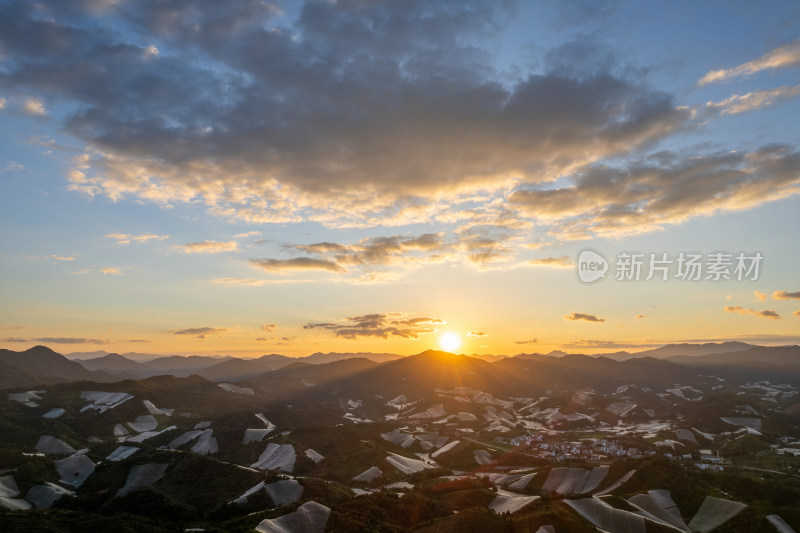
point(8, 495)
point(255, 435)
point(510, 502)
point(660, 505)
point(44, 496)
point(75, 469)
point(574, 481)
point(311, 517)
point(314, 456)
point(521, 482)
point(276, 457)
point(396, 436)
point(8, 487)
point(406, 465)
point(143, 423)
point(143, 476)
point(482, 457)
point(55, 412)
point(607, 518)
point(241, 500)
point(743, 421)
point(713, 513)
point(780, 524)
point(50, 445)
point(185, 438)
point(102, 401)
point(206, 444)
point(368, 475)
point(574, 476)
point(446, 448)
point(685, 434)
point(284, 492)
point(121, 453)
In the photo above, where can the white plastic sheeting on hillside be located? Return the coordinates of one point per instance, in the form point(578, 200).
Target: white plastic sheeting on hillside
point(284, 492)
point(185, 438)
point(43, 496)
point(143, 423)
point(406, 465)
point(311, 517)
point(8, 495)
point(510, 502)
point(780, 524)
point(658, 504)
point(206, 444)
point(255, 435)
point(368, 475)
point(123, 452)
point(314, 456)
point(713, 513)
point(50, 445)
point(607, 518)
point(55, 412)
point(102, 401)
point(143, 476)
point(236, 390)
point(74, 470)
point(276, 457)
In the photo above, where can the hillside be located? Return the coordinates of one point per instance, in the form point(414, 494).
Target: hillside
point(41, 365)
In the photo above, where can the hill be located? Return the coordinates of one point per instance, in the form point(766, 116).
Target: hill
point(41, 365)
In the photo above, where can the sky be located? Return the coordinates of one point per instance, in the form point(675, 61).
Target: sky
point(252, 177)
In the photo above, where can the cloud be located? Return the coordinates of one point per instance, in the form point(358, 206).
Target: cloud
point(344, 114)
point(12, 327)
point(761, 296)
point(583, 316)
point(71, 340)
point(247, 234)
point(529, 341)
point(61, 257)
point(755, 338)
point(295, 264)
point(13, 339)
point(782, 57)
point(280, 341)
point(136, 340)
point(33, 106)
point(767, 313)
point(127, 238)
point(553, 262)
point(606, 344)
point(664, 188)
point(12, 166)
point(796, 313)
point(208, 247)
point(477, 334)
point(641, 316)
point(751, 101)
point(3, 103)
point(783, 295)
point(268, 327)
point(114, 271)
point(381, 325)
point(200, 333)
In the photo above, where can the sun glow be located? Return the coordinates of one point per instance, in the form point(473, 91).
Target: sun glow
point(450, 342)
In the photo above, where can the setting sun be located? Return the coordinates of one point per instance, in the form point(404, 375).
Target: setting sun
point(450, 342)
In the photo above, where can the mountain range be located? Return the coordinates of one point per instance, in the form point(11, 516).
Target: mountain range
point(431, 369)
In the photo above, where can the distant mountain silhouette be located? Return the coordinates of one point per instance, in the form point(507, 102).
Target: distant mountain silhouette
point(40, 365)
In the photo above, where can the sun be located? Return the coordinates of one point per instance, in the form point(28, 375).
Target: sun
point(450, 342)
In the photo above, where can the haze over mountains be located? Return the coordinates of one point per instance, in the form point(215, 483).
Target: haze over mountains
point(41, 365)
